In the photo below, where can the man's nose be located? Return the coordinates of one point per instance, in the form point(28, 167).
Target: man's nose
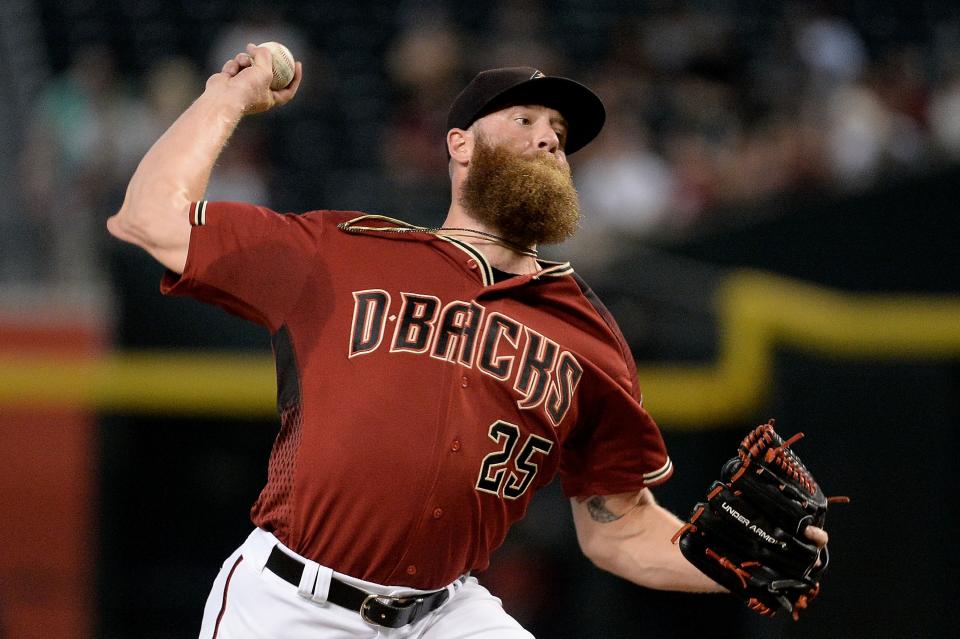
point(547, 140)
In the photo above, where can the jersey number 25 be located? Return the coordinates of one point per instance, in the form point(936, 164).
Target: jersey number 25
point(493, 471)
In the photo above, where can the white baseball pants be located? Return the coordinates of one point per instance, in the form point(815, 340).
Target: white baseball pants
point(250, 602)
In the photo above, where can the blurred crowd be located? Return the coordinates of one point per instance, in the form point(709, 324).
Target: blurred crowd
point(712, 106)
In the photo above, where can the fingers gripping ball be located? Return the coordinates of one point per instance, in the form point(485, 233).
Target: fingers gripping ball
point(283, 65)
point(748, 535)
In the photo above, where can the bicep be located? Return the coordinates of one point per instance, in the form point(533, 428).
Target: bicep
point(173, 254)
point(600, 519)
point(603, 509)
point(172, 244)
point(165, 237)
point(606, 523)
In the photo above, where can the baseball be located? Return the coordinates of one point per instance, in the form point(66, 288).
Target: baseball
point(283, 65)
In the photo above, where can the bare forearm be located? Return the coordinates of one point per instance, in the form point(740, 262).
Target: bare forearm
point(175, 172)
point(177, 168)
point(648, 557)
point(632, 541)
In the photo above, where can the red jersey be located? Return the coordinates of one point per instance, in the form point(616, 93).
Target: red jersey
point(421, 402)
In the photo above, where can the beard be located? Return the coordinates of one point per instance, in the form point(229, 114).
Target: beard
point(527, 200)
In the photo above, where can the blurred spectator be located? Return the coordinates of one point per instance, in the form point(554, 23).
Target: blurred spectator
point(423, 66)
point(171, 85)
point(517, 36)
point(623, 184)
point(242, 171)
point(696, 173)
point(682, 37)
point(831, 49)
point(763, 162)
point(945, 117)
point(863, 134)
point(256, 23)
point(83, 142)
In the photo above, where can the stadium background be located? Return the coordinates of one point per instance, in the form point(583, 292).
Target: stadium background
point(770, 214)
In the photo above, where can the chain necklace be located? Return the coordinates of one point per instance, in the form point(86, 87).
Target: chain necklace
point(349, 227)
point(502, 241)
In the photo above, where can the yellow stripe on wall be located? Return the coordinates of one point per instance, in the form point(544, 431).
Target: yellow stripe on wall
point(756, 312)
point(159, 382)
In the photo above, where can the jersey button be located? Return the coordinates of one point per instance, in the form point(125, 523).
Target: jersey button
point(464, 381)
point(455, 445)
point(411, 569)
point(437, 513)
point(472, 263)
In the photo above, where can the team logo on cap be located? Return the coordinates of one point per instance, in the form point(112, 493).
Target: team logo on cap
point(536, 74)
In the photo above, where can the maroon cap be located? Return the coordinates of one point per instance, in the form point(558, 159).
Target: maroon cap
point(495, 89)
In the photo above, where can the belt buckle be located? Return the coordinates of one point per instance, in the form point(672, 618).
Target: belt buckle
point(388, 601)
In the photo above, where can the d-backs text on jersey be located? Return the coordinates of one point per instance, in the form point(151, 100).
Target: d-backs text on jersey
point(464, 333)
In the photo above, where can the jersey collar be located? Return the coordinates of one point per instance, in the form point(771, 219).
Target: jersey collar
point(548, 268)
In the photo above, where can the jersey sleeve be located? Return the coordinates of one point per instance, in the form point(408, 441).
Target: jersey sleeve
point(615, 448)
point(248, 260)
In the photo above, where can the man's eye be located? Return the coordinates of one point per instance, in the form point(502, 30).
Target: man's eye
point(523, 121)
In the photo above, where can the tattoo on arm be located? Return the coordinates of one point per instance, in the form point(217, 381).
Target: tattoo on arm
point(598, 510)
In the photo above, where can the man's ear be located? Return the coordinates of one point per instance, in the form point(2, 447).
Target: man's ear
point(460, 145)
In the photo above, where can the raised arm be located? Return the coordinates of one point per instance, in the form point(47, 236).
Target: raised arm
point(176, 169)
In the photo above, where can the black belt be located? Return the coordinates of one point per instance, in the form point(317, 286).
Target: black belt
point(382, 610)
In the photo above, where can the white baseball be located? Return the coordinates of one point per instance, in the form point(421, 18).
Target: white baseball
point(283, 65)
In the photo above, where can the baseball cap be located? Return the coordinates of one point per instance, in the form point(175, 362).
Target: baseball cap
point(495, 89)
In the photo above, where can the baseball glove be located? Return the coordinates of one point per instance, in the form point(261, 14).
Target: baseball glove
point(748, 535)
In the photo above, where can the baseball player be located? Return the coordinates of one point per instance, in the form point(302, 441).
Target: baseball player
point(429, 381)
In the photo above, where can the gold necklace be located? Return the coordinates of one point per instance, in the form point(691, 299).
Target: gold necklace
point(502, 241)
point(351, 227)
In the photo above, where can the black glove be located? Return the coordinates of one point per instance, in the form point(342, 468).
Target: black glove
point(749, 534)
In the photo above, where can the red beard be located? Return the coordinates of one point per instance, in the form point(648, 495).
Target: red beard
point(529, 201)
